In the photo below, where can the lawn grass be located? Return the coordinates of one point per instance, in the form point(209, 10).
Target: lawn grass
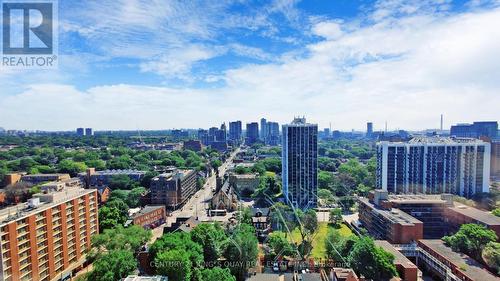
point(319, 250)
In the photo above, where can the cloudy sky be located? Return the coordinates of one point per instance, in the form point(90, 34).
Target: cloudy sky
point(156, 64)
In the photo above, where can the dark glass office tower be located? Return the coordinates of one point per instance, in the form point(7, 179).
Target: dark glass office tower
point(300, 163)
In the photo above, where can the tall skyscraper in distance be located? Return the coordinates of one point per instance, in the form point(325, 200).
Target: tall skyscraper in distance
point(434, 165)
point(263, 129)
point(369, 129)
point(252, 133)
point(235, 131)
point(273, 133)
point(89, 132)
point(221, 134)
point(80, 131)
point(299, 163)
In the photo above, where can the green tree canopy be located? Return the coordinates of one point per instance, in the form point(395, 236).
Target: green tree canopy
point(371, 261)
point(175, 264)
point(212, 238)
point(217, 274)
point(335, 216)
point(114, 265)
point(280, 245)
point(337, 246)
point(71, 167)
point(119, 238)
point(491, 256)
point(242, 247)
point(471, 239)
point(134, 196)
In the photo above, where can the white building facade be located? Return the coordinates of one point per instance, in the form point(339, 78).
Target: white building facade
point(434, 165)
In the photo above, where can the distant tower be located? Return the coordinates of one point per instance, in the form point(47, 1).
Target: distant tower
point(89, 132)
point(369, 129)
point(263, 129)
point(441, 128)
point(80, 131)
point(386, 126)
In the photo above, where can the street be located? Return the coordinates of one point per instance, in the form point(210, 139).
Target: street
point(198, 203)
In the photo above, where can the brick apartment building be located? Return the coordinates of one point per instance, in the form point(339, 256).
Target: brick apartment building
point(388, 216)
point(194, 145)
point(460, 214)
point(444, 263)
point(173, 189)
point(149, 216)
point(46, 238)
point(392, 225)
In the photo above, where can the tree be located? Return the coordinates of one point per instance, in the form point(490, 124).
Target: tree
point(491, 256)
point(496, 212)
point(335, 216)
point(118, 194)
point(178, 241)
point(146, 180)
point(308, 223)
point(114, 265)
point(114, 213)
point(471, 239)
point(122, 182)
point(325, 179)
point(134, 197)
point(337, 246)
point(371, 261)
point(119, 238)
point(267, 190)
point(272, 164)
point(175, 264)
point(71, 167)
point(279, 244)
point(98, 164)
point(212, 238)
point(242, 247)
point(217, 274)
point(325, 196)
point(283, 217)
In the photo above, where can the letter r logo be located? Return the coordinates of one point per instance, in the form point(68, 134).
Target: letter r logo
point(28, 28)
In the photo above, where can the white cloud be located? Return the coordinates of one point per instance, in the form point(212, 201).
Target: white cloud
point(328, 29)
point(178, 62)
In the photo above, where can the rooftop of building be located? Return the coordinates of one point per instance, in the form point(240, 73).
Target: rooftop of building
point(119, 172)
point(476, 214)
point(298, 122)
point(47, 175)
point(473, 269)
point(398, 257)
point(394, 215)
point(175, 173)
point(416, 198)
point(145, 278)
point(245, 176)
point(46, 201)
point(438, 140)
point(147, 209)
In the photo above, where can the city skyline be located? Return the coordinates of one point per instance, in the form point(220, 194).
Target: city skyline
point(345, 62)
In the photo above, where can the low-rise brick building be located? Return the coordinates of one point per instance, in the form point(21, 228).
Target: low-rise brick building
point(150, 216)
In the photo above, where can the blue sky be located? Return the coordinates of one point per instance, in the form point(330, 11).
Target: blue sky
point(135, 64)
